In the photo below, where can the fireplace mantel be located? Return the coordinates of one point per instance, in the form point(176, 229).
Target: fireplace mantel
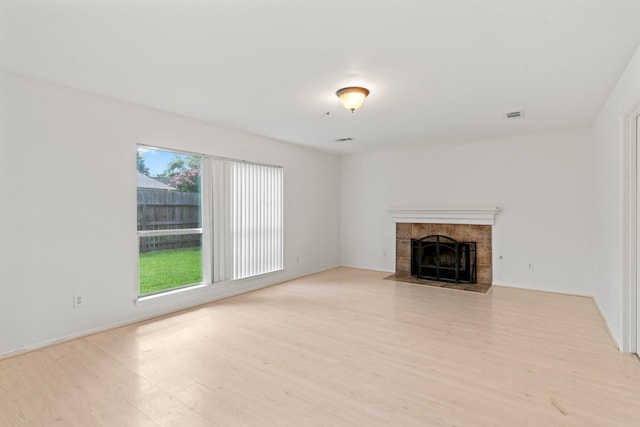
point(445, 216)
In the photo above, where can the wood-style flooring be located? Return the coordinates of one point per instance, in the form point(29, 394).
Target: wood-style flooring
point(340, 348)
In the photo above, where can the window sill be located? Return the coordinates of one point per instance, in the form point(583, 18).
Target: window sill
point(146, 298)
point(226, 288)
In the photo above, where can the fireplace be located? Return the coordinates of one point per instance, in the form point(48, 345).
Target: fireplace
point(464, 226)
point(478, 234)
point(442, 258)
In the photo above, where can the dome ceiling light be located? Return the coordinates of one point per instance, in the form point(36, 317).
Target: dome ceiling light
point(352, 97)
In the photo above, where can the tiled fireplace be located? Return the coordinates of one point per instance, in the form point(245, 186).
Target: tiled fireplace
point(463, 225)
point(480, 234)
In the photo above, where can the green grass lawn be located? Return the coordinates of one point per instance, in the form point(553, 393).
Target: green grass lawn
point(168, 269)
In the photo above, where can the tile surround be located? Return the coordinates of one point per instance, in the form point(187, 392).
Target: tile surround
point(481, 234)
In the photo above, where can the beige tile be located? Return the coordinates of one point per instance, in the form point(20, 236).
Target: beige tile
point(439, 229)
point(403, 231)
point(421, 230)
point(459, 232)
point(484, 274)
point(403, 248)
point(484, 254)
point(480, 234)
point(403, 265)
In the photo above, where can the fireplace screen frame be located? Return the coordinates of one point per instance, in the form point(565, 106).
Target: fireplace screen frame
point(443, 259)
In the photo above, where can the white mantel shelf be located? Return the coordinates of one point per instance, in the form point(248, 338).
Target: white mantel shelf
point(445, 216)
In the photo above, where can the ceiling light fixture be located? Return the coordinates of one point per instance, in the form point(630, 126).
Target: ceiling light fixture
point(352, 97)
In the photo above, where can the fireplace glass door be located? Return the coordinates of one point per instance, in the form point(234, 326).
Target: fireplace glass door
point(442, 258)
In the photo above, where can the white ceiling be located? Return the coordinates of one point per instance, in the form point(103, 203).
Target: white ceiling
point(438, 70)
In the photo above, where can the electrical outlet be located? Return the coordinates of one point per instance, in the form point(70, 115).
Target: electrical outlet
point(531, 266)
point(78, 301)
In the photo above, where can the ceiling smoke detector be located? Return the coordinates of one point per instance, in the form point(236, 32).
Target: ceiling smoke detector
point(343, 139)
point(514, 115)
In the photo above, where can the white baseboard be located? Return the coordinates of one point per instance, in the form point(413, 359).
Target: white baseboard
point(606, 325)
point(223, 293)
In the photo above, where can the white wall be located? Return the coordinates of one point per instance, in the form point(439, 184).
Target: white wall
point(75, 152)
point(610, 150)
point(542, 182)
point(68, 217)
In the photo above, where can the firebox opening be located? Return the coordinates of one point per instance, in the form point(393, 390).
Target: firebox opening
point(441, 258)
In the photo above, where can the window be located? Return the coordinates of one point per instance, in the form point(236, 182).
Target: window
point(169, 220)
point(242, 232)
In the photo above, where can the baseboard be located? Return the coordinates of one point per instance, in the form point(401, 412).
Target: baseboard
point(577, 294)
point(231, 292)
point(606, 325)
point(246, 289)
point(549, 290)
point(359, 267)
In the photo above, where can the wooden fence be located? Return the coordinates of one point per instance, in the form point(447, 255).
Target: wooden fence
point(168, 210)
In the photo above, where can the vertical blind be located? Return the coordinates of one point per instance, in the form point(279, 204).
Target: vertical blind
point(247, 219)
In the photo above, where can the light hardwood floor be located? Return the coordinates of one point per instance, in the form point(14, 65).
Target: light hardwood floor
point(340, 348)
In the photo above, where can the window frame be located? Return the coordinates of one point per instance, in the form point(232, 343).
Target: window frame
point(176, 232)
point(208, 226)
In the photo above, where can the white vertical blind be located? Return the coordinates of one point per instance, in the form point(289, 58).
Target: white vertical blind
point(222, 236)
point(247, 219)
point(207, 191)
point(256, 222)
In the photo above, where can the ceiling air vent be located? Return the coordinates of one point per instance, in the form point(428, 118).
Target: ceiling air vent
point(514, 115)
point(343, 139)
